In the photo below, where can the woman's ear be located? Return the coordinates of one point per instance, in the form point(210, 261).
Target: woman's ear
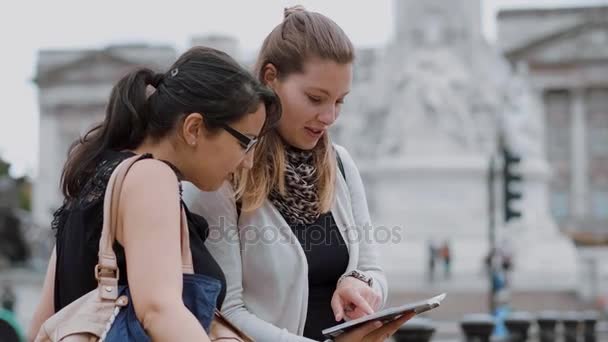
point(270, 75)
point(193, 128)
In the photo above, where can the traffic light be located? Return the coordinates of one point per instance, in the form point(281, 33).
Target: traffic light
point(512, 180)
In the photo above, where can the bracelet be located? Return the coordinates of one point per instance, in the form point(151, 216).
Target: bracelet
point(358, 275)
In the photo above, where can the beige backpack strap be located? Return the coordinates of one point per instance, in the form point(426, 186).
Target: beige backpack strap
point(106, 271)
point(187, 266)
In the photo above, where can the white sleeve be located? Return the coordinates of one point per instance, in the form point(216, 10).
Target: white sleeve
point(219, 209)
point(368, 250)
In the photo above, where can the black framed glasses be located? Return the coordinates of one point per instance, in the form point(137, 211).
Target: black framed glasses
point(246, 142)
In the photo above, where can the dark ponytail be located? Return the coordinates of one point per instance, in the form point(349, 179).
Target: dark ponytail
point(202, 80)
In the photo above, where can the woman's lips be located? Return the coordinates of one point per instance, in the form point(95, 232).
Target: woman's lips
point(313, 132)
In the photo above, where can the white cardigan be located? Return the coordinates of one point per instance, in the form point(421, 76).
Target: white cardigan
point(265, 266)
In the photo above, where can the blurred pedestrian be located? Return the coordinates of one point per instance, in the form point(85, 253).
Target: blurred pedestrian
point(446, 256)
point(433, 250)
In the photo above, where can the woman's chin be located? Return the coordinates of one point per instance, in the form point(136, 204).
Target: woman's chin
point(306, 144)
point(208, 187)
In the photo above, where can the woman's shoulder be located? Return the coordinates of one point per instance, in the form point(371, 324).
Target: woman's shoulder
point(147, 171)
point(352, 176)
point(345, 157)
point(341, 150)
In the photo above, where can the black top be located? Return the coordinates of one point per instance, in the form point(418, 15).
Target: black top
point(327, 258)
point(78, 225)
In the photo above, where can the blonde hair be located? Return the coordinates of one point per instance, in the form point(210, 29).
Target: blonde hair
point(301, 36)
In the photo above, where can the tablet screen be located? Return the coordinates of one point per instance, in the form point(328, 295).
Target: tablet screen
point(386, 315)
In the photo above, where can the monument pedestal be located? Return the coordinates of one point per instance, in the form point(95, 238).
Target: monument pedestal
point(417, 200)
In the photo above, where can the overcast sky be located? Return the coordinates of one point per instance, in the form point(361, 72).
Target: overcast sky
point(27, 26)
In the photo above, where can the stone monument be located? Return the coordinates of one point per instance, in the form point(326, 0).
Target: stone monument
point(423, 126)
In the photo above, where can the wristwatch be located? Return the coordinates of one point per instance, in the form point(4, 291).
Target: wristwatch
point(358, 275)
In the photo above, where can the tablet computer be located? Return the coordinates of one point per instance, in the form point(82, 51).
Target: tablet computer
point(385, 315)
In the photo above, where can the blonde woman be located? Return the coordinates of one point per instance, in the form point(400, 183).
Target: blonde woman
point(293, 234)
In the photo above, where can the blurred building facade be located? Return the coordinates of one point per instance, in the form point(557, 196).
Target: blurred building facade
point(566, 54)
point(73, 90)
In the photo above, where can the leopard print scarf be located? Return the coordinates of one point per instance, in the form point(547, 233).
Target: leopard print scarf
point(300, 203)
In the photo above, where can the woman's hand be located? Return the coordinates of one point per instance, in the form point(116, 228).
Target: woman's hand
point(374, 331)
point(353, 299)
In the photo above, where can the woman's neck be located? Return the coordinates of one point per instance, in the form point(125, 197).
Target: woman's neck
point(163, 150)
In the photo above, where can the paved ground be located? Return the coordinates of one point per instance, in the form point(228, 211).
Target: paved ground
point(27, 286)
point(446, 318)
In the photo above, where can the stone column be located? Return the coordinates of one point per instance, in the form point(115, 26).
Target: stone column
point(579, 156)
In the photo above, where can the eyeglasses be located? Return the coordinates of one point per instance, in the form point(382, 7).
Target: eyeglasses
point(246, 142)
